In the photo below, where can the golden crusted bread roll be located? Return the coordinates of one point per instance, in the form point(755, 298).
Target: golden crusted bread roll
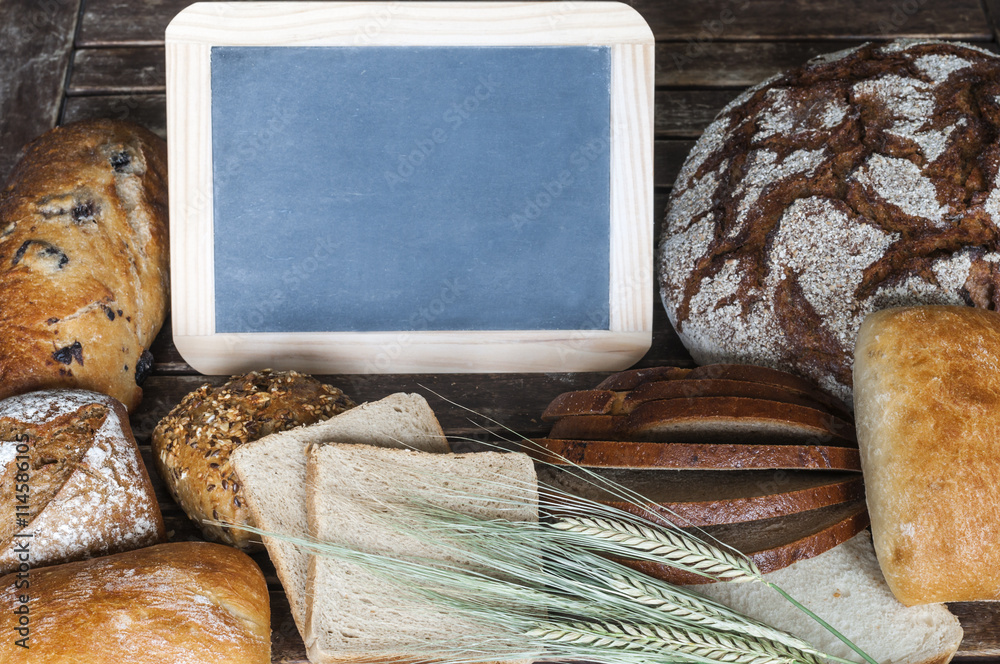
point(927, 404)
point(190, 602)
point(83, 260)
point(72, 478)
point(193, 443)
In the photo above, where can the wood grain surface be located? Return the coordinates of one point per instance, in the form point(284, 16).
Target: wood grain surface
point(62, 60)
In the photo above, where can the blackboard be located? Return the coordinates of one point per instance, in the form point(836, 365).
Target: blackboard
point(427, 181)
point(410, 187)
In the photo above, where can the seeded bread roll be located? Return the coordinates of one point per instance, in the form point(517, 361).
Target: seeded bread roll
point(865, 179)
point(83, 260)
point(177, 603)
point(193, 443)
point(71, 477)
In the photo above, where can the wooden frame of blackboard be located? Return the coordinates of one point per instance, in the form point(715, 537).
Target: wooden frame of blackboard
point(190, 38)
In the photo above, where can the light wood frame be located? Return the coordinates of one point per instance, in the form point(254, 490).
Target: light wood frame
point(189, 40)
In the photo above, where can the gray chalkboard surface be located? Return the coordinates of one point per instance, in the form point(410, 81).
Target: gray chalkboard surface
point(411, 188)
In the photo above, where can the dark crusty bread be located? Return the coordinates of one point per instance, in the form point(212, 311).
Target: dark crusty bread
point(712, 419)
point(633, 378)
point(851, 184)
point(87, 490)
point(607, 402)
point(773, 377)
point(703, 497)
point(193, 443)
point(625, 454)
point(584, 402)
point(927, 394)
point(83, 260)
point(778, 542)
point(182, 603)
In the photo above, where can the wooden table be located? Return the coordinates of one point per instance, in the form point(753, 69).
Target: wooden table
point(65, 60)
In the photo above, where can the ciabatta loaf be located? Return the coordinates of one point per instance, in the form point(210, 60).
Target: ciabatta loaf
point(927, 399)
point(355, 615)
point(273, 473)
point(177, 603)
point(845, 587)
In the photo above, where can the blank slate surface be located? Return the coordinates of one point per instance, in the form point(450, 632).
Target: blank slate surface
point(411, 188)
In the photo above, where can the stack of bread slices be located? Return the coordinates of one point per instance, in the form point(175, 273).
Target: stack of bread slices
point(333, 481)
point(759, 459)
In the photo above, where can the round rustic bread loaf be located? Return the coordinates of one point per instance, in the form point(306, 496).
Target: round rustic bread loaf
point(863, 180)
point(193, 443)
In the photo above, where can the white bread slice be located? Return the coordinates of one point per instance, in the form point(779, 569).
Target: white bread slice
point(846, 588)
point(273, 473)
point(354, 615)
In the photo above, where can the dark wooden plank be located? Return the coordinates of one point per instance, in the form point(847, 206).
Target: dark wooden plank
point(708, 21)
point(686, 113)
point(36, 39)
point(668, 157)
point(286, 643)
point(149, 110)
point(992, 8)
point(981, 622)
point(118, 71)
point(678, 64)
point(116, 23)
point(739, 64)
point(735, 64)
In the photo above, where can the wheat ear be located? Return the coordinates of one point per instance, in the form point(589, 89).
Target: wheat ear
point(667, 640)
point(674, 547)
point(697, 610)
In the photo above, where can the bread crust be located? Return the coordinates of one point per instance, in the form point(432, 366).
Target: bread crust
point(928, 411)
point(83, 260)
point(706, 497)
point(633, 378)
point(623, 454)
point(193, 443)
point(608, 402)
point(723, 419)
point(830, 191)
point(829, 527)
point(86, 483)
point(183, 602)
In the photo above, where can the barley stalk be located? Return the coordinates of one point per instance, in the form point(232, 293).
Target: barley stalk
point(666, 640)
point(676, 548)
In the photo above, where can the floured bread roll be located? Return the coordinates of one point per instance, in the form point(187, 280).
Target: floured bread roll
point(72, 481)
point(865, 179)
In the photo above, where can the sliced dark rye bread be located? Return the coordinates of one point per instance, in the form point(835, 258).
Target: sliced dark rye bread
point(684, 388)
point(712, 419)
point(768, 376)
point(609, 402)
point(775, 543)
point(691, 456)
point(633, 378)
point(584, 402)
point(703, 497)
